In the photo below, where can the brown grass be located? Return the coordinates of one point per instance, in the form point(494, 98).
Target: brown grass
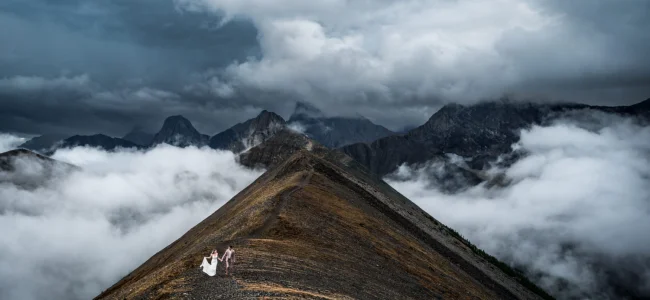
point(324, 237)
point(276, 288)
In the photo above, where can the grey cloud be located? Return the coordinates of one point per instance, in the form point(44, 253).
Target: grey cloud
point(122, 49)
point(394, 62)
point(425, 53)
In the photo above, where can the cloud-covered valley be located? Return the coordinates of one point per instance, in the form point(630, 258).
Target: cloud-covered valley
point(575, 214)
point(82, 230)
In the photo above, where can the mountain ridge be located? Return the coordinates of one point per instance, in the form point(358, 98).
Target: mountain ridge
point(290, 228)
point(96, 140)
point(335, 132)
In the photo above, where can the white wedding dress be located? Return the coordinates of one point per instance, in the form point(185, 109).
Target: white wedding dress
point(210, 268)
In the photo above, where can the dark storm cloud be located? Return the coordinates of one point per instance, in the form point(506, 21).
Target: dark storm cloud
point(417, 54)
point(596, 52)
point(133, 56)
point(395, 62)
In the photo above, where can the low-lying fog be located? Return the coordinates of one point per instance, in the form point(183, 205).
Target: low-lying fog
point(575, 215)
point(81, 231)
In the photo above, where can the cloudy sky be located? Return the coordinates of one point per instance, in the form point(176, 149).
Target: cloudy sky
point(71, 66)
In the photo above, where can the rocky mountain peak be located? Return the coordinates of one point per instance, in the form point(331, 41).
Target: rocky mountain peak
point(177, 122)
point(305, 110)
point(178, 131)
point(265, 120)
point(248, 134)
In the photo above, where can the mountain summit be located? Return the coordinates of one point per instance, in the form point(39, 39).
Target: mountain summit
point(178, 131)
point(318, 226)
point(335, 132)
point(248, 134)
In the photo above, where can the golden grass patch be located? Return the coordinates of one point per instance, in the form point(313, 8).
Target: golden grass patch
point(279, 289)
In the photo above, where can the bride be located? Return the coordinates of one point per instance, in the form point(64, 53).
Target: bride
point(210, 268)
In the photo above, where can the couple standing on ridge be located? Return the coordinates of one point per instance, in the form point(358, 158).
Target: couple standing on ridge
point(211, 267)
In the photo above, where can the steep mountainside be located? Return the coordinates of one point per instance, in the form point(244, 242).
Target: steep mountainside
point(178, 131)
point(481, 132)
point(43, 143)
point(318, 226)
point(98, 141)
point(335, 132)
point(248, 134)
point(139, 137)
point(279, 148)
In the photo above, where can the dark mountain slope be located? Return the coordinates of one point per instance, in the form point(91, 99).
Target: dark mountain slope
point(139, 137)
point(178, 131)
point(8, 159)
point(98, 141)
point(248, 134)
point(480, 132)
point(43, 143)
point(335, 132)
point(319, 226)
point(29, 170)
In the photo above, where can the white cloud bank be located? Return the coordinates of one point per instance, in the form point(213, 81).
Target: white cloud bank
point(80, 232)
point(10, 142)
point(577, 213)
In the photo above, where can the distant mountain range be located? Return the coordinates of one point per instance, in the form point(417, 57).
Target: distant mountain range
point(179, 131)
point(478, 133)
point(97, 140)
point(334, 132)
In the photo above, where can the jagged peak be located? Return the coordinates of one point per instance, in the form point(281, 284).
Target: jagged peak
point(448, 109)
point(171, 120)
point(265, 114)
point(308, 110)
